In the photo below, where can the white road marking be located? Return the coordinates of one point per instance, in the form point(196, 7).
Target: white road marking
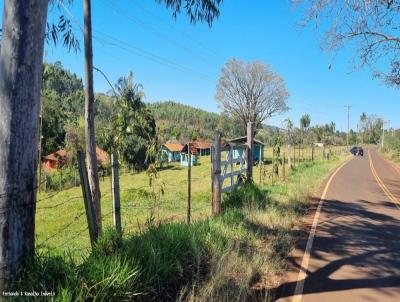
point(298, 293)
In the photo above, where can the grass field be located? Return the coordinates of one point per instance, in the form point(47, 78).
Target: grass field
point(237, 256)
point(61, 222)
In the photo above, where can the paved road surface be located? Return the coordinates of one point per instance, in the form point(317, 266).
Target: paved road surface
point(355, 253)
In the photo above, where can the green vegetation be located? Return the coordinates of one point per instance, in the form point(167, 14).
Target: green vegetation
point(391, 148)
point(227, 258)
point(370, 130)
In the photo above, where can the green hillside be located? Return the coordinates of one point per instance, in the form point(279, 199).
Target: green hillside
point(183, 122)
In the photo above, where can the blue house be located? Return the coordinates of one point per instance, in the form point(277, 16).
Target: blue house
point(184, 156)
point(203, 148)
point(238, 145)
point(173, 151)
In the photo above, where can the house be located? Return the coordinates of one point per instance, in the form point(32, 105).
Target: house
point(319, 145)
point(173, 151)
point(202, 148)
point(57, 159)
point(239, 149)
point(54, 160)
point(184, 156)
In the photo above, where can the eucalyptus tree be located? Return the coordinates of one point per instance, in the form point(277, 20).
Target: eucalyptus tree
point(251, 91)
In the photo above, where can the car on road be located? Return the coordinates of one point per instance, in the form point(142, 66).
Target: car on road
point(357, 151)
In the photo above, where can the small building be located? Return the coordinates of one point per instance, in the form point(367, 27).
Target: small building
point(319, 145)
point(54, 160)
point(173, 151)
point(202, 148)
point(239, 149)
point(59, 158)
point(184, 156)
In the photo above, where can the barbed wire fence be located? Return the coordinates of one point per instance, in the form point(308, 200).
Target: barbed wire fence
point(61, 220)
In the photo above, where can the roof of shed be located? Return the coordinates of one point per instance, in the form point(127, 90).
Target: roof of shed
point(243, 139)
point(174, 147)
point(201, 145)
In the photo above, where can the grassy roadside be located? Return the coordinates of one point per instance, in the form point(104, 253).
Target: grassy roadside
point(60, 215)
point(229, 258)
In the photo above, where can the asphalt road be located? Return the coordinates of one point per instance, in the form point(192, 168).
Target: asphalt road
point(355, 250)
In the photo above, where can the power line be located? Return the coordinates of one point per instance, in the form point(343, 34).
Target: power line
point(136, 50)
point(183, 33)
point(112, 41)
point(154, 31)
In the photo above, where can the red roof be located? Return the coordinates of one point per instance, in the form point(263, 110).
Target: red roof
point(202, 145)
point(56, 156)
point(193, 149)
point(102, 156)
point(174, 147)
point(61, 155)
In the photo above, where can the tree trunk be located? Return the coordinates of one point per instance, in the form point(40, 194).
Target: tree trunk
point(91, 159)
point(21, 58)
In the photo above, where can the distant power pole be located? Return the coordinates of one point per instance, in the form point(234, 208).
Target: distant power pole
point(348, 122)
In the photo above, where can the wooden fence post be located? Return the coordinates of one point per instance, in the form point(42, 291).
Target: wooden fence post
point(312, 152)
point(87, 199)
point(46, 185)
point(115, 193)
point(289, 147)
point(60, 187)
point(300, 159)
point(212, 176)
point(249, 150)
point(283, 167)
point(189, 183)
point(231, 161)
point(216, 181)
point(273, 165)
point(294, 155)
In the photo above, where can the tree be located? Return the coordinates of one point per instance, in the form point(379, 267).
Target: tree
point(305, 121)
point(196, 10)
point(251, 92)
point(133, 126)
point(371, 26)
point(23, 37)
point(21, 54)
point(61, 104)
point(363, 125)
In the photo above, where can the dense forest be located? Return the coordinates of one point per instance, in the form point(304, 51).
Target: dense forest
point(182, 122)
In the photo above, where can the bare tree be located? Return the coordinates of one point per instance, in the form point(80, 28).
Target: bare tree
point(371, 26)
point(21, 56)
point(251, 91)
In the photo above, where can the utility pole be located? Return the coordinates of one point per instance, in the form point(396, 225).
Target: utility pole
point(348, 122)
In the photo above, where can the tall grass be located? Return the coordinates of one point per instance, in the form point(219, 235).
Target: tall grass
point(233, 257)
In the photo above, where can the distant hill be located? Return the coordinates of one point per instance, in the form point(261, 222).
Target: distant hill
point(183, 122)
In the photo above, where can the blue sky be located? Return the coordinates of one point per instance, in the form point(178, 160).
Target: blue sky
point(175, 60)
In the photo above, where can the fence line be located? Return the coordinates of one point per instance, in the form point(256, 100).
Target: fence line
point(149, 199)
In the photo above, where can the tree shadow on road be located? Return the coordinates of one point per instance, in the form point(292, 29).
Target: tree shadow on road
point(352, 234)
